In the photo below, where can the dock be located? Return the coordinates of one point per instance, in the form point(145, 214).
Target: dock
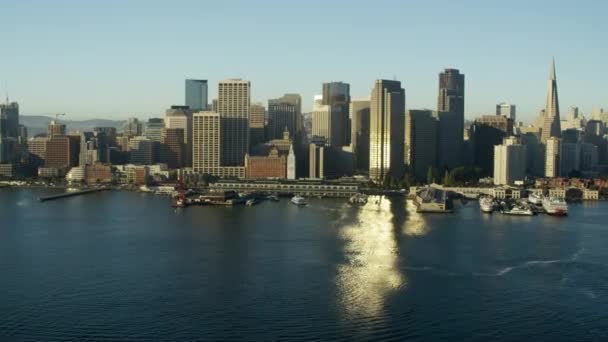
point(70, 194)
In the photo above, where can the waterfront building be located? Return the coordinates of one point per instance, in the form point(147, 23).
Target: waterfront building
point(507, 110)
point(420, 142)
point(62, 152)
point(336, 95)
point(97, 173)
point(206, 147)
point(551, 120)
point(180, 117)
point(450, 113)
point(509, 162)
point(284, 113)
point(55, 128)
point(173, 148)
point(233, 107)
point(488, 131)
point(141, 150)
point(75, 175)
point(553, 154)
point(274, 165)
point(196, 94)
point(291, 164)
point(387, 130)
point(133, 127)
point(359, 137)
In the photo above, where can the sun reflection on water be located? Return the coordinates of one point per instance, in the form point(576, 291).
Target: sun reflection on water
point(370, 272)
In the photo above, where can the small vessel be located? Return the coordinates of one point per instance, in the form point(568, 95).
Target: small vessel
point(519, 211)
point(555, 206)
point(535, 199)
point(251, 202)
point(486, 204)
point(299, 200)
point(358, 199)
point(274, 197)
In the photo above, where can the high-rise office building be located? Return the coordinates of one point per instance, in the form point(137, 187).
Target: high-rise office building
point(109, 133)
point(180, 117)
point(196, 94)
point(551, 121)
point(317, 159)
point(257, 124)
point(234, 101)
point(133, 127)
point(486, 132)
point(321, 119)
point(55, 128)
point(36, 148)
point(553, 155)
point(284, 113)
point(506, 109)
point(387, 130)
point(173, 148)
point(10, 112)
point(420, 142)
point(336, 95)
point(450, 107)
point(359, 137)
point(62, 152)
point(509, 162)
point(154, 129)
point(141, 150)
point(570, 158)
point(206, 143)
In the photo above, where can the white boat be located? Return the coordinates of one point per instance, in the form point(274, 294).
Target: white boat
point(251, 202)
point(555, 206)
point(299, 200)
point(486, 204)
point(535, 199)
point(358, 199)
point(519, 211)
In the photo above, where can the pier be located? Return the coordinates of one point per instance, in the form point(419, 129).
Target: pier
point(70, 194)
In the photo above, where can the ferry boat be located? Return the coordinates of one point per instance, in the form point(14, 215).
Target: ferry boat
point(535, 199)
point(555, 206)
point(519, 211)
point(299, 200)
point(486, 204)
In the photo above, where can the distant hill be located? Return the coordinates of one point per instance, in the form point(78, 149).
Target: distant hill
point(37, 124)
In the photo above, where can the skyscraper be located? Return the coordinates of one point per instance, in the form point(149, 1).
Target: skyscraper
point(420, 142)
point(257, 124)
point(506, 109)
point(55, 128)
point(551, 121)
point(359, 137)
point(487, 132)
point(133, 127)
point(553, 154)
point(321, 119)
point(206, 143)
point(234, 100)
point(284, 113)
point(336, 95)
point(509, 162)
point(387, 130)
point(180, 117)
point(450, 107)
point(10, 112)
point(154, 129)
point(196, 94)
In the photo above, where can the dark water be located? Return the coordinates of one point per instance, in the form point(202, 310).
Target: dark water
point(125, 266)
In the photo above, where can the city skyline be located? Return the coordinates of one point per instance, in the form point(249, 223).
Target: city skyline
point(137, 74)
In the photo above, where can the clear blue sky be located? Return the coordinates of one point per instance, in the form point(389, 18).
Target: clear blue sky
point(116, 59)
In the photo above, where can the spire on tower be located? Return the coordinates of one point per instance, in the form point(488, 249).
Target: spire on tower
point(552, 70)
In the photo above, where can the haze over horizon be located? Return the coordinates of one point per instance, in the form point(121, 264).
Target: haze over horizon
point(118, 59)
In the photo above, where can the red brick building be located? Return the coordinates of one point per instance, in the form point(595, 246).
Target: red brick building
point(272, 166)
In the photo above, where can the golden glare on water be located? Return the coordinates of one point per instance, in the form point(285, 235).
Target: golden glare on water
point(370, 272)
point(416, 224)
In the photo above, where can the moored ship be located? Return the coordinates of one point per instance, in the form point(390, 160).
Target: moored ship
point(535, 199)
point(555, 206)
point(299, 200)
point(486, 204)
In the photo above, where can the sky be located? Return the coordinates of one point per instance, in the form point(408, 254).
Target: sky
point(117, 59)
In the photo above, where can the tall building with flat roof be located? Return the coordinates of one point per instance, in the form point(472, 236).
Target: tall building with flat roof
point(387, 130)
point(336, 95)
point(284, 113)
point(509, 162)
point(154, 129)
point(173, 148)
point(62, 152)
point(553, 156)
point(551, 121)
point(133, 127)
point(321, 119)
point(450, 107)
point(506, 109)
point(206, 142)
point(257, 124)
point(359, 136)
point(10, 112)
point(196, 94)
point(180, 117)
point(234, 101)
point(488, 131)
point(420, 142)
